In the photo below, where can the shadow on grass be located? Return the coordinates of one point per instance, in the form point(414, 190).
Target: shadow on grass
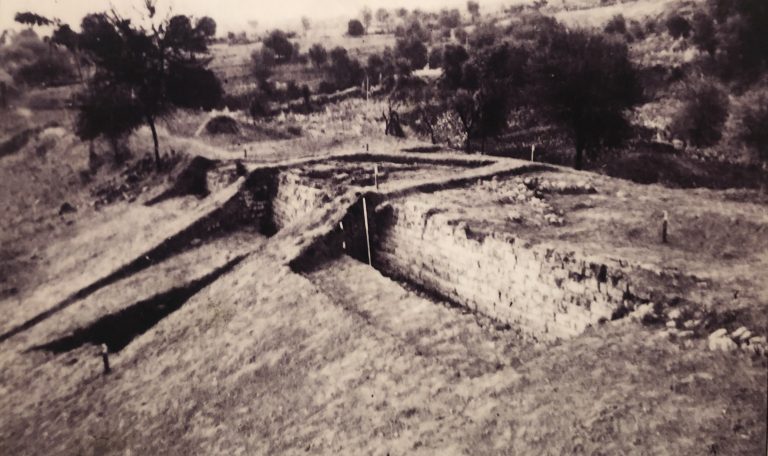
point(118, 329)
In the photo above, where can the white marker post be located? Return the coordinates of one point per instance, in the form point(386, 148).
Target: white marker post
point(367, 237)
point(376, 176)
point(664, 227)
point(533, 150)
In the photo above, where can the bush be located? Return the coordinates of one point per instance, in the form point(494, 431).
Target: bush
point(678, 26)
point(700, 121)
point(617, 24)
point(355, 28)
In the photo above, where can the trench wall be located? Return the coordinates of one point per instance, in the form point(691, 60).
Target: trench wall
point(294, 199)
point(546, 294)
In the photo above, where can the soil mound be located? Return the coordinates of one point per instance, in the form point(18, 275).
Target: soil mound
point(222, 125)
point(193, 180)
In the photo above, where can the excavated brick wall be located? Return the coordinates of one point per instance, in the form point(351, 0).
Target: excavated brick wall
point(545, 293)
point(294, 199)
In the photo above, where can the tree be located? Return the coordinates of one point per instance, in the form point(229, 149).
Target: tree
point(704, 32)
point(753, 119)
point(382, 15)
point(412, 50)
point(279, 43)
point(144, 74)
point(32, 19)
point(355, 28)
point(345, 71)
point(318, 55)
point(584, 82)
point(701, 119)
point(742, 54)
point(401, 13)
point(450, 18)
point(305, 24)
point(206, 26)
point(436, 58)
point(454, 58)
point(262, 62)
point(474, 10)
point(367, 16)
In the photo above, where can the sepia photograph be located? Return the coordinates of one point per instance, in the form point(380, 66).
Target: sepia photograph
point(383, 227)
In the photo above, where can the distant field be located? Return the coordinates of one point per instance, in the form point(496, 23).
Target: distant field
point(232, 63)
point(597, 17)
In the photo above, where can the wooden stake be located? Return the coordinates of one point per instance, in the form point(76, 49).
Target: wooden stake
point(367, 236)
point(533, 149)
point(376, 176)
point(664, 226)
point(105, 358)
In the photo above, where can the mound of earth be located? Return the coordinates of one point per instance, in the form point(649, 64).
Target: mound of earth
point(222, 125)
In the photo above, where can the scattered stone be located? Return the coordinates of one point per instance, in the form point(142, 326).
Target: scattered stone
point(674, 314)
point(718, 334)
point(687, 334)
point(671, 324)
point(738, 332)
point(690, 324)
point(642, 311)
point(724, 344)
point(758, 340)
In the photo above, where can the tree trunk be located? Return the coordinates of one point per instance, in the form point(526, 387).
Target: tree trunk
point(579, 159)
point(151, 122)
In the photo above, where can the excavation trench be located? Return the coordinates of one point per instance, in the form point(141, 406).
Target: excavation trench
point(539, 291)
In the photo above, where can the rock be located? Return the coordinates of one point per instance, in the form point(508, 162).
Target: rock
point(67, 208)
point(718, 334)
point(745, 336)
point(758, 340)
point(737, 334)
point(671, 324)
point(722, 344)
point(674, 314)
point(642, 311)
point(690, 324)
point(684, 334)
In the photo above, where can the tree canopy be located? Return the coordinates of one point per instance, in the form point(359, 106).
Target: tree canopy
point(143, 74)
point(585, 82)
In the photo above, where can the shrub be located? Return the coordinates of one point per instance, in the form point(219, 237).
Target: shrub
point(355, 28)
point(617, 24)
point(678, 26)
point(700, 120)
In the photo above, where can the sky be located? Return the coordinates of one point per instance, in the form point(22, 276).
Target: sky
point(228, 14)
